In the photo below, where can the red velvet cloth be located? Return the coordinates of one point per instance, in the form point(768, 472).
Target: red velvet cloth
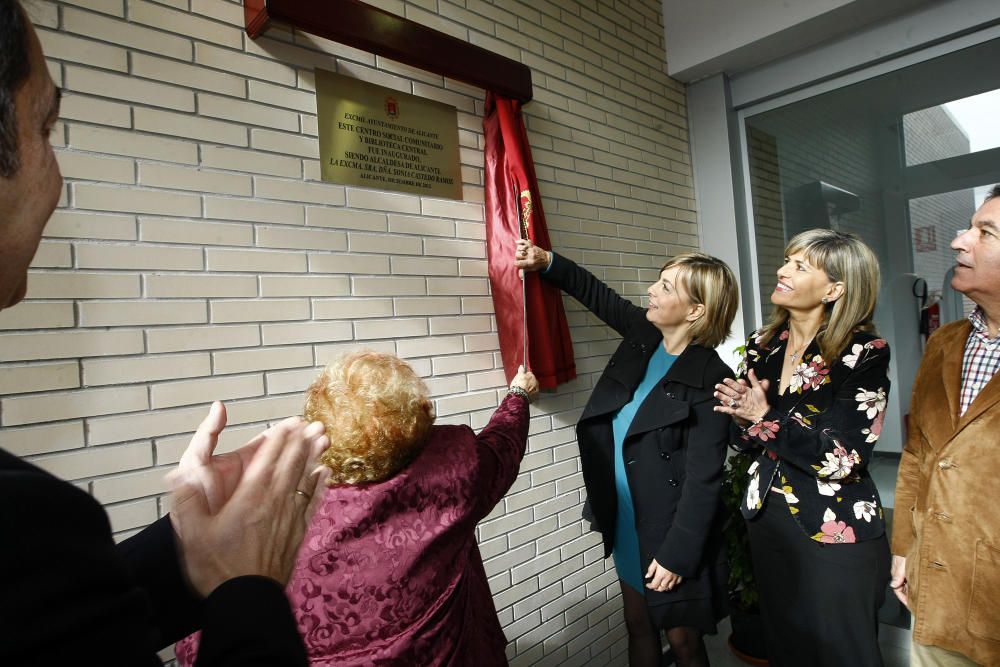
point(391, 574)
point(512, 197)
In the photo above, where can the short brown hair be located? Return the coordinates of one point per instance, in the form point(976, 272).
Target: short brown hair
point(376, 412)
point(710, 282)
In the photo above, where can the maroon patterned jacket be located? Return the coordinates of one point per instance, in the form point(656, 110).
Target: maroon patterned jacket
point(390, 573)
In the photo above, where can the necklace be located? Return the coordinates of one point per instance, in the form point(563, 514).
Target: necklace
point(796, 353)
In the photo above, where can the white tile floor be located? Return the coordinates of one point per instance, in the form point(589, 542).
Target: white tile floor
point(718, 651)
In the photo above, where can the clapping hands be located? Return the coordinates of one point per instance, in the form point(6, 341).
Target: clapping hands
point(245, 512)
point(744, 400)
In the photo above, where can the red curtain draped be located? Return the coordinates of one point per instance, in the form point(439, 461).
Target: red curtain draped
point(512, 199)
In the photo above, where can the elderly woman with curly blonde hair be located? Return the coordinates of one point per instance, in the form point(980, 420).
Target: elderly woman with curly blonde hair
point(389, 572)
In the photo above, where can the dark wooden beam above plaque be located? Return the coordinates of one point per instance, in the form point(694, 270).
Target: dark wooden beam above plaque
point(368, 28)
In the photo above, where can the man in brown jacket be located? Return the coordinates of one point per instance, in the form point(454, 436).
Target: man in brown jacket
point(946, 537)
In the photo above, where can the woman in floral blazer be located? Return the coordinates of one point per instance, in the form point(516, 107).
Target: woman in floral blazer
point(811, 397)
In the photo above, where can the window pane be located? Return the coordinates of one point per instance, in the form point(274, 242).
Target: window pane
point(933, 222)
point(957, 128)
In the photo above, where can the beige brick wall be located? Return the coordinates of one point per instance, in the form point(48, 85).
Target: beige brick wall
point(196, 255)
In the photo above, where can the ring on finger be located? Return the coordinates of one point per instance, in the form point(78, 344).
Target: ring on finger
point(732, 403)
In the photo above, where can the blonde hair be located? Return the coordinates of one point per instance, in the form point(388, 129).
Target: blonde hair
point(376, 412)
point(710, 282)
point(844, 258)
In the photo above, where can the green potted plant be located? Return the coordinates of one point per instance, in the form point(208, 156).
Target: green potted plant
point(747, 638)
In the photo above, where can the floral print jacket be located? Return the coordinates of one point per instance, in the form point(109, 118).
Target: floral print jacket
point(817, 439)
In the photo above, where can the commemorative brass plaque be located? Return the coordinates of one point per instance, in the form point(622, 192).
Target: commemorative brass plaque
point(381, 138)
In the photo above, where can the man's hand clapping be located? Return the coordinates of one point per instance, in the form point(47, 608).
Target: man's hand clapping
point(245, 512)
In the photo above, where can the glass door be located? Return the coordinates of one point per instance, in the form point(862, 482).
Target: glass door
point(897, 160)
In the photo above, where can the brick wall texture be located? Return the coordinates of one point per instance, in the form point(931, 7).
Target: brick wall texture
point(196, 255)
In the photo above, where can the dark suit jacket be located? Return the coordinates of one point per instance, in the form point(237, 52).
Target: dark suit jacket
point(674, 450)
point(69, 595)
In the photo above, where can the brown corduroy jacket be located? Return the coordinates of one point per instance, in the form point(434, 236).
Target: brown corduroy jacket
point(947, 523)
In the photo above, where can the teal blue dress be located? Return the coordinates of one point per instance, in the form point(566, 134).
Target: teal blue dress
point(626, 549)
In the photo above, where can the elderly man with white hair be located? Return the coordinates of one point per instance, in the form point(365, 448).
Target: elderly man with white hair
point(946, 538)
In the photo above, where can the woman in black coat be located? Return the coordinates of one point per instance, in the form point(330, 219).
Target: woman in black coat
point(652, 447)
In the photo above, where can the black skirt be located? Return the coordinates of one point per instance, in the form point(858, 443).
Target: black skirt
point(819, 602)
point(705, 600)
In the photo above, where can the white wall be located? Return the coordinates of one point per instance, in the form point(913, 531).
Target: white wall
point(196, 255)
point(719, 184)
point(922, 33)
point(757, 79)
point(707, 37)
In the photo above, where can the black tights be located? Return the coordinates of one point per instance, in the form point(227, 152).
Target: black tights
point(644, 648)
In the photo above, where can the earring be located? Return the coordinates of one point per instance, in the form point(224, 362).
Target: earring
point(824, 301)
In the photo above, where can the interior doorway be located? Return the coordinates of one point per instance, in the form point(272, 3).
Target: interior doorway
point(897, 159)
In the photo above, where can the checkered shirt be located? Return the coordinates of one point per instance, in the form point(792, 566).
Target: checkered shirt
point(980, 361)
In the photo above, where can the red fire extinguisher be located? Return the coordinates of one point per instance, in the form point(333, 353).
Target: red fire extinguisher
point(930, 319)
point(930, 308)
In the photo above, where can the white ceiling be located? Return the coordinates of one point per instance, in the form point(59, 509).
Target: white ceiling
point(707, 37)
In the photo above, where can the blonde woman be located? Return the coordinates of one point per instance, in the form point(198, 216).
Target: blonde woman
point(390, 572)
point(811, 398)
point(652, 448)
